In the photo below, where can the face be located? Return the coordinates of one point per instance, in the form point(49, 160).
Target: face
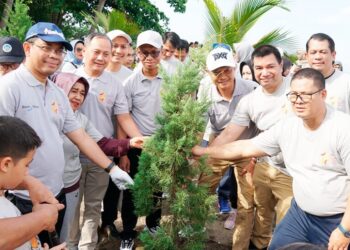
point(76, 95)
point(320, 57)
point(180, 54)
point(267, 70)
point(119, 50)
point(97, 55)
point(307, 109)
point(44, 58)
point(149, 56)
point(7, 68)
point(246, 73)
point(78, 51)
point(223, 77)
point(168, 50)
point(130, 58)
point(16, 170)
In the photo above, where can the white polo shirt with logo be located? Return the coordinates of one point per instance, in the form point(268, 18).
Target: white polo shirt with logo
point(47, 110)
point(338, 91)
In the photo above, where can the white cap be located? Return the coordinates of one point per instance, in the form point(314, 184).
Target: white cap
point(220, 57)
point(150, 37)
point(119, 33)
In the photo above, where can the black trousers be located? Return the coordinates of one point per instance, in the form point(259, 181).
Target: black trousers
point(26, 206)
point(129, 217)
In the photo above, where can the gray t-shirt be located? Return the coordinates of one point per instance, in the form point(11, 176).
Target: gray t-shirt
point(122, 74)
point(47, 110)
point(318, 161)
point(221, 110)
point(144, 100)
point(265, 110)
point(72, 168)
point(338, 91)
point(106, 98)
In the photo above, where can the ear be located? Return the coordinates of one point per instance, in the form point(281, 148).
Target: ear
point(324, 94)
point(5, 164)
point(26, 47)
point(334, 53)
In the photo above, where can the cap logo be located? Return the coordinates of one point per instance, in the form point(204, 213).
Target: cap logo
point(221, 55)
point(53, 32)
point(7, 48)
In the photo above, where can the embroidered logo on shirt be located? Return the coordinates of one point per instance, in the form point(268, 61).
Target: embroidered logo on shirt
point(102, 96)
point(35, 243)
point(54, 107)
point(327, 159)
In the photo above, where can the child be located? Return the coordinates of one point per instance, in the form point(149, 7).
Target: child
point(17, 148)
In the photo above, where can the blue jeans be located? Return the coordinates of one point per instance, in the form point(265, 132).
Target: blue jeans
point(299, 226)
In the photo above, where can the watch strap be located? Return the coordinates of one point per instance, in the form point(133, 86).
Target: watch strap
point(109, 167)
point(344, 231)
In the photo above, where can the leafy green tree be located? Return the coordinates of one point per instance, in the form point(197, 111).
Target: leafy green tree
point(18, 22)
point(164, 166)
point(244, 16)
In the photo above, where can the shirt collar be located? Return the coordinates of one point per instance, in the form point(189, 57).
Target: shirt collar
point(238, 90)
point(103, 77)
point(29, 77)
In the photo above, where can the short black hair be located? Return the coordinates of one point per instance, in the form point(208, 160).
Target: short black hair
point(183, 45)
point(322, 37)
point(17, 138)
point(310, 73)
point(172, 37)
point(266, 50)
point(88, 39)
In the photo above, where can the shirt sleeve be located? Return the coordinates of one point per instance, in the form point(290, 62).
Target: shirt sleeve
point(127, 89)
point(120, 104)
point(8, 99)
point(241, 115)
point(268, 141)
point(70, 122)
point(90, 129)
point(343, 145)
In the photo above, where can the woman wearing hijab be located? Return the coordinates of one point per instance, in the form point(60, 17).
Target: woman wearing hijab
point(74, 58)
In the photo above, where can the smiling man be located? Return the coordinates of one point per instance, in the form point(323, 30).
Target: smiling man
point(320, 53)
point(264, 106)
point(315, 145)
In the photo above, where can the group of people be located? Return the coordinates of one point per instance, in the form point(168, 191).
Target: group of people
point(74, 117)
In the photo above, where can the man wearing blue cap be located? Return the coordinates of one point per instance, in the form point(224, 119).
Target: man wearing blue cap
point(28, 94)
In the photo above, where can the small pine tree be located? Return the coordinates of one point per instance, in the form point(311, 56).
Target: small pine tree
point(18, 22)
point(164, 166)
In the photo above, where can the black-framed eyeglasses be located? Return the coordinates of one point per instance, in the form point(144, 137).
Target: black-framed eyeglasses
point(304, 97)
point(144, 54)
point(49, 50)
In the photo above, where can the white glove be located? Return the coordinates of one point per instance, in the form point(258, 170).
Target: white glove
point(120, 178)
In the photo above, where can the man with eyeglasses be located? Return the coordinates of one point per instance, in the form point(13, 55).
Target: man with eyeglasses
point(142, 91)
point(264, 106)
point(169, 62)
point(105, 101)
point(315, 144)
point(28, 94)
point(320, 53)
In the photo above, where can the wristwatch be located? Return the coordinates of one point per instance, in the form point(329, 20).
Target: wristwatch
point(344, 231)
point(109, 167)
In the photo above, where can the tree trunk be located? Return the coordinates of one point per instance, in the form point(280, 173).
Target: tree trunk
point(101, 4)
point(5, 13)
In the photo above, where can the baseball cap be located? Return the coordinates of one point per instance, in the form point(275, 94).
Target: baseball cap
point(150, 37)
point(119, 33)
point(11, 50)
point(48, 32)
point(220, 57)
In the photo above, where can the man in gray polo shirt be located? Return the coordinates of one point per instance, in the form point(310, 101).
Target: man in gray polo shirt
point(315, 144)
point(27, 93)
point(105, 101)
point(142, 91)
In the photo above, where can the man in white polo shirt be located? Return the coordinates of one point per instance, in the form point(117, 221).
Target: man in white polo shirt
point(315, 145)
point(105, 101)
point(320, 53)
point(142, 91)
point(28, 94)
point(120, 47)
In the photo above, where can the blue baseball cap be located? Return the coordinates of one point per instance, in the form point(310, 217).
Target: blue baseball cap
point(48, 32)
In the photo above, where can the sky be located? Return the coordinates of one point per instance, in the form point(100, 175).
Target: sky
point(305, 18)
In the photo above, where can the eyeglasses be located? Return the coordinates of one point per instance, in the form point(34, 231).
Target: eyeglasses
point(225, 71)
point(305, 97)
point(49, 50)
point(222, 45)
point(144, 54)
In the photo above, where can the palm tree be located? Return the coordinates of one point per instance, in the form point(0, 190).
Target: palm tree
point(114, 19)
point(244, 16)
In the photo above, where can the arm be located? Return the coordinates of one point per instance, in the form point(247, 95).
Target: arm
point(231, 151)
point(127, 124)
point(90, 148)
point(119, 147)
point(337, 240)
point(230, 134)
point(15, 231)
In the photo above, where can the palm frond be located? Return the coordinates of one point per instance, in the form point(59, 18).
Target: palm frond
point(279, 38)
point(215, 21)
